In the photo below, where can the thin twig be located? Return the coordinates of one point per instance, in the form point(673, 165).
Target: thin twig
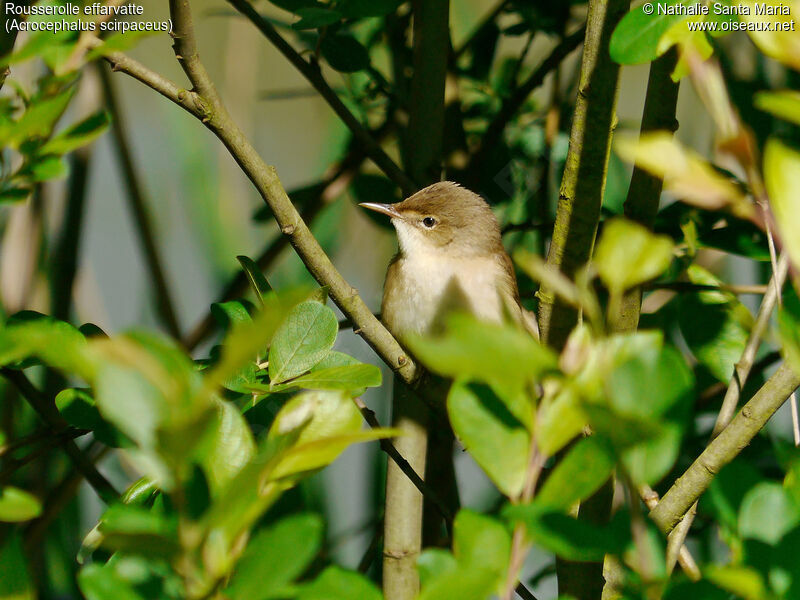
point(514, 102)
point(265, 180)
point(402, 463)
point(725, 447)
point(329, 189)
point(45, 408)
point(138, 205)
point(312, 73)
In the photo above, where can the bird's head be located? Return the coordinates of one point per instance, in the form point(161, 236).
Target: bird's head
point(443, 217)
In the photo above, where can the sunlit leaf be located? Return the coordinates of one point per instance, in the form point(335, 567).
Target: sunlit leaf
point(335, 583)
point(784, 104)
point(636, 37)
point(18, 505)
point(484, 351)
point(628, 254)
point(782, 178)
point(780, 39)
point(686, 174)
point(100, 582)
point(350, 377)
point(302, 340)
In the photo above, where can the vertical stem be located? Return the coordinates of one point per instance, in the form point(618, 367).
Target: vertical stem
point(402, 529)
point(644, 193)
point(577, 217)
point(422, 149)
point(584, 178)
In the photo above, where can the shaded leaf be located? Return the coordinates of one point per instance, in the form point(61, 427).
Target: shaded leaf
point(344, 52)
point(258, 282)
point(767, 513)
point(275, 557)
point(313, 17)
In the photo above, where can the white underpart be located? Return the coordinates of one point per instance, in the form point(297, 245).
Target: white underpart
point(429, 273)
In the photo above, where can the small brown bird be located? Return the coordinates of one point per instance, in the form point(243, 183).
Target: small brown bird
point(451, 257)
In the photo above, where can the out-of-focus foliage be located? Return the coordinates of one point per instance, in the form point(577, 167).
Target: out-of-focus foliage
point(223, 444)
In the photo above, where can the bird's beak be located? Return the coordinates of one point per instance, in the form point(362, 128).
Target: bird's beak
point(386, 209)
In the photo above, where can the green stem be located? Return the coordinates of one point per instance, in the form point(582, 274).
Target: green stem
point(585, 169)
point(644, 193)
point(724, 448)
point(577, 217)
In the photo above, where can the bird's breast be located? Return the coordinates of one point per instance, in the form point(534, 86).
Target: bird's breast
point(420, 292)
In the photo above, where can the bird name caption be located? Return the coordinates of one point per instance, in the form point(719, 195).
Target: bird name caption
point(56, 18)
point(745, 16)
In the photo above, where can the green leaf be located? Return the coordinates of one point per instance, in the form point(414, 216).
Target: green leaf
point(368, 8)
point(314, 17)
point(246, 340)
point(56, 343)
point(489, 352)
point(350, 377)
point(78, 408)
point(433, 563)
point(17, 505)
point(335, 358)
point(743, 581)
point(481, 541)
point(727, 491)
point(275, 557)
point(344, 53)
point(586, 467)
point(78, 135)
point(789, 330)
point(304, 338)
point(628, 255)
point(293, 5)
point(569, 538)
point(636, 37)
point(228, 314)
point(337, 584)
point(494, 437)
point(118, 42)
point(258, 282)
point(230, 448)
point(767, 513)
point(782, 178)
point(45, 169)
point(9, 194)
point(715, 326)
point(15, 580)
point(37, 121)
point(137, 530)
point(98, 582)
point(784, 104)
point(659, 375)
point(559, 420)
point(461, 584)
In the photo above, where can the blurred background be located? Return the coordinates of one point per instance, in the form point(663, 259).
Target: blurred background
point(202, 209)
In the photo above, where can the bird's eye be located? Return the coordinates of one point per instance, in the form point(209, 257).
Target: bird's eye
point(429, 222)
